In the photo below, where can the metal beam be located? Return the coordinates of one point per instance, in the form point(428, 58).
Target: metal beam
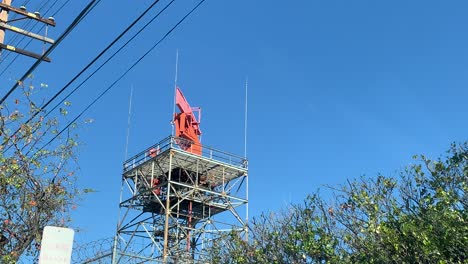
point(26, 33)
point(27, 14)
point(24, 52)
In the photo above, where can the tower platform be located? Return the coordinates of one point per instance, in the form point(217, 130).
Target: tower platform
point(212, 168)
point(174, 198)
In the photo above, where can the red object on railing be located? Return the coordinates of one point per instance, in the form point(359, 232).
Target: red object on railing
point(153, 152)
point(186, 125)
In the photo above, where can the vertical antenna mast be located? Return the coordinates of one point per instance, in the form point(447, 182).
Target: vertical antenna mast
point(245, 116)
point(245, 156)
point(128, 122)
point(175, 90)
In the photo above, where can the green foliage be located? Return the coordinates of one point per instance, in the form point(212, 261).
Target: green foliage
point(37, 186)
point(418, 217)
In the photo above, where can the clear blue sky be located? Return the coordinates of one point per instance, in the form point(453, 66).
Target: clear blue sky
point(337, 89)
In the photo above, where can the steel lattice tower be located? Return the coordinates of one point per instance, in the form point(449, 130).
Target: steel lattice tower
point(175, 203)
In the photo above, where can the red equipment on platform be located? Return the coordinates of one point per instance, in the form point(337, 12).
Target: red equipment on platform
point(186, 125)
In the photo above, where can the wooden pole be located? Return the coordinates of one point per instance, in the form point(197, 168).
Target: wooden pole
point(4, 18)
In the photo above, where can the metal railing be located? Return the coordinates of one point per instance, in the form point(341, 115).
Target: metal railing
point(183, 144)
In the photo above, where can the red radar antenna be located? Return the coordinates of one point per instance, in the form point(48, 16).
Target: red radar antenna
point(187, 126)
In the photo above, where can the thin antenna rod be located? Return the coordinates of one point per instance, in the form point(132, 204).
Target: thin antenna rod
point(128, 122)
point(175, 89)
point(245, 115)
point(246, 164)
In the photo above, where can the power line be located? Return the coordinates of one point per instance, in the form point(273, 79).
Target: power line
point(95, 59)
point(102, 53)
point(35, 23)
point(28, 25)
point(25, 26)
point(60, 8)
point(122, 75)
point(24, 3)
point(30, 40)
point(102, 65)
point(70, 28)
point(77, 20)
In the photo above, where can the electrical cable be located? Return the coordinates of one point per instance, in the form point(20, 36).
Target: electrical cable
point(15, 37)
point(26, 27)
point(30, 40)
point(102, 65)
point(121, 76)
point(24, 3)
point(100, 54)
point(60, 8)
point(22, 37)
point(34, 23)
point(12, 18)
point(70, 28)
point(40, 109)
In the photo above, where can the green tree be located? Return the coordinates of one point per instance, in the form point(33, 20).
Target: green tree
point(419, 216)
point(37, 183)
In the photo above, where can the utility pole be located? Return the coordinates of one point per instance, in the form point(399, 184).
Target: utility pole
point(5, 24)
point(4, 18)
